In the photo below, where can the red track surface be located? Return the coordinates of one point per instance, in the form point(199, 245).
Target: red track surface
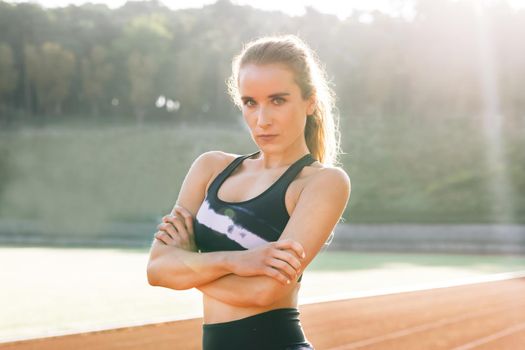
point(487, 316)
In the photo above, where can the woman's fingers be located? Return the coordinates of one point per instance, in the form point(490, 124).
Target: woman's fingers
point(179, 226)
point(158, 236)
point(168, 228)
point(290, 272)
point(274, 273)
point(188, 218)
point(182, 223)
point(287, 257)
point(164, 237)
point(291, 244)
point(287, 261)
point(171, 237)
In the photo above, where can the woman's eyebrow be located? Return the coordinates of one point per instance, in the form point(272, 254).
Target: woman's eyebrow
point(278, 94)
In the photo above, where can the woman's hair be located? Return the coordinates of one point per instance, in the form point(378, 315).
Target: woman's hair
point(321, 132)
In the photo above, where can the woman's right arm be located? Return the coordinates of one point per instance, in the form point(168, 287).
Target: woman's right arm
point(176, 268)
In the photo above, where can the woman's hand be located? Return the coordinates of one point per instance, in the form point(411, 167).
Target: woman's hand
point(280, 260)
point(177, 230)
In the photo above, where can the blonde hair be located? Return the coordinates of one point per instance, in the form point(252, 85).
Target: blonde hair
point(321, 132)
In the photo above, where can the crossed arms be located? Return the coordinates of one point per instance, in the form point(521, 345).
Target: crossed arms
point(253, 277)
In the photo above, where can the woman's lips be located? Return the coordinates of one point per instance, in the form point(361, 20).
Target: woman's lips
point(266, 137)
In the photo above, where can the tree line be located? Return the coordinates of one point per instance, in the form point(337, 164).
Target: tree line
point(146, 62)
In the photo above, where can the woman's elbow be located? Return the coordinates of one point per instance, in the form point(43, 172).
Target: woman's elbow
point(152, 274)
point(159, 278)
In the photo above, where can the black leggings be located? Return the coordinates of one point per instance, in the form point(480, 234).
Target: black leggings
point(278, 329)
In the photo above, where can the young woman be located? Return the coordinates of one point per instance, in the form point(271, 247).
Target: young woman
point(245, 227)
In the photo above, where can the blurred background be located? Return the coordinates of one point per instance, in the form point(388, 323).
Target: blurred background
point(104, 106)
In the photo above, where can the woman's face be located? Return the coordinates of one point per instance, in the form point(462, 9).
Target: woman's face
point(272, 105)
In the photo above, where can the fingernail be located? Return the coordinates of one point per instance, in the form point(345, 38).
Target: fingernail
point(304, 255)
point(287, 281)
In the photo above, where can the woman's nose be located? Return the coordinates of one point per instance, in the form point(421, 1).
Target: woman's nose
point(263, 117)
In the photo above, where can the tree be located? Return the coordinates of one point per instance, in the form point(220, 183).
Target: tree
point(50, 69)
point(96, 72)
point(141, 70)
point(9, 75)
point(144, 44)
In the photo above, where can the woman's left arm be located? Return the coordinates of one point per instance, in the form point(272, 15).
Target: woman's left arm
point(318, 209)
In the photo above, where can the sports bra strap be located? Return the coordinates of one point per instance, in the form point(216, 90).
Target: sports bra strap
point(228, 170)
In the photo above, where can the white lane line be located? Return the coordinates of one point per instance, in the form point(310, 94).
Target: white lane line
point(487, 339)
point(413, 330)
point(414, 288)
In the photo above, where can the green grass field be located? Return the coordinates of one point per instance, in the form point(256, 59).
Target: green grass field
point(48, 291)
point(77, 179)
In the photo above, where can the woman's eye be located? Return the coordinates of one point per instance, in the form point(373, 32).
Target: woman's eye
point(279, 100)
point(248, 103)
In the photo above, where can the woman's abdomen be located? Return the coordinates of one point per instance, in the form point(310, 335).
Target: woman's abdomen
point(216, 311)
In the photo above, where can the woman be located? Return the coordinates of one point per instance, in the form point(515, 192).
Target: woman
point(245, 227)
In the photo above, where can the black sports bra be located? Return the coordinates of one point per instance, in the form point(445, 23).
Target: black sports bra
point(221, 225)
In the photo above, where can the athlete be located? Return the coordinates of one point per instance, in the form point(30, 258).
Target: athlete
point(245, 227)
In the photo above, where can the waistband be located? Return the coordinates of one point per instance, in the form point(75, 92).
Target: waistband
point(273, 329)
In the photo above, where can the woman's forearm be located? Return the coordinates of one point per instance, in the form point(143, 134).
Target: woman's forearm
point(214, 274)
point(235, 290)
point(246, 291)
point(176, 268)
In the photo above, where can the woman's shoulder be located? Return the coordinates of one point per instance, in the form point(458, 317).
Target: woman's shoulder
point(216, 159)
point(323, 174)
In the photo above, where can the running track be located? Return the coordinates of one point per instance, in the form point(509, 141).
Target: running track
point(481, 316)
